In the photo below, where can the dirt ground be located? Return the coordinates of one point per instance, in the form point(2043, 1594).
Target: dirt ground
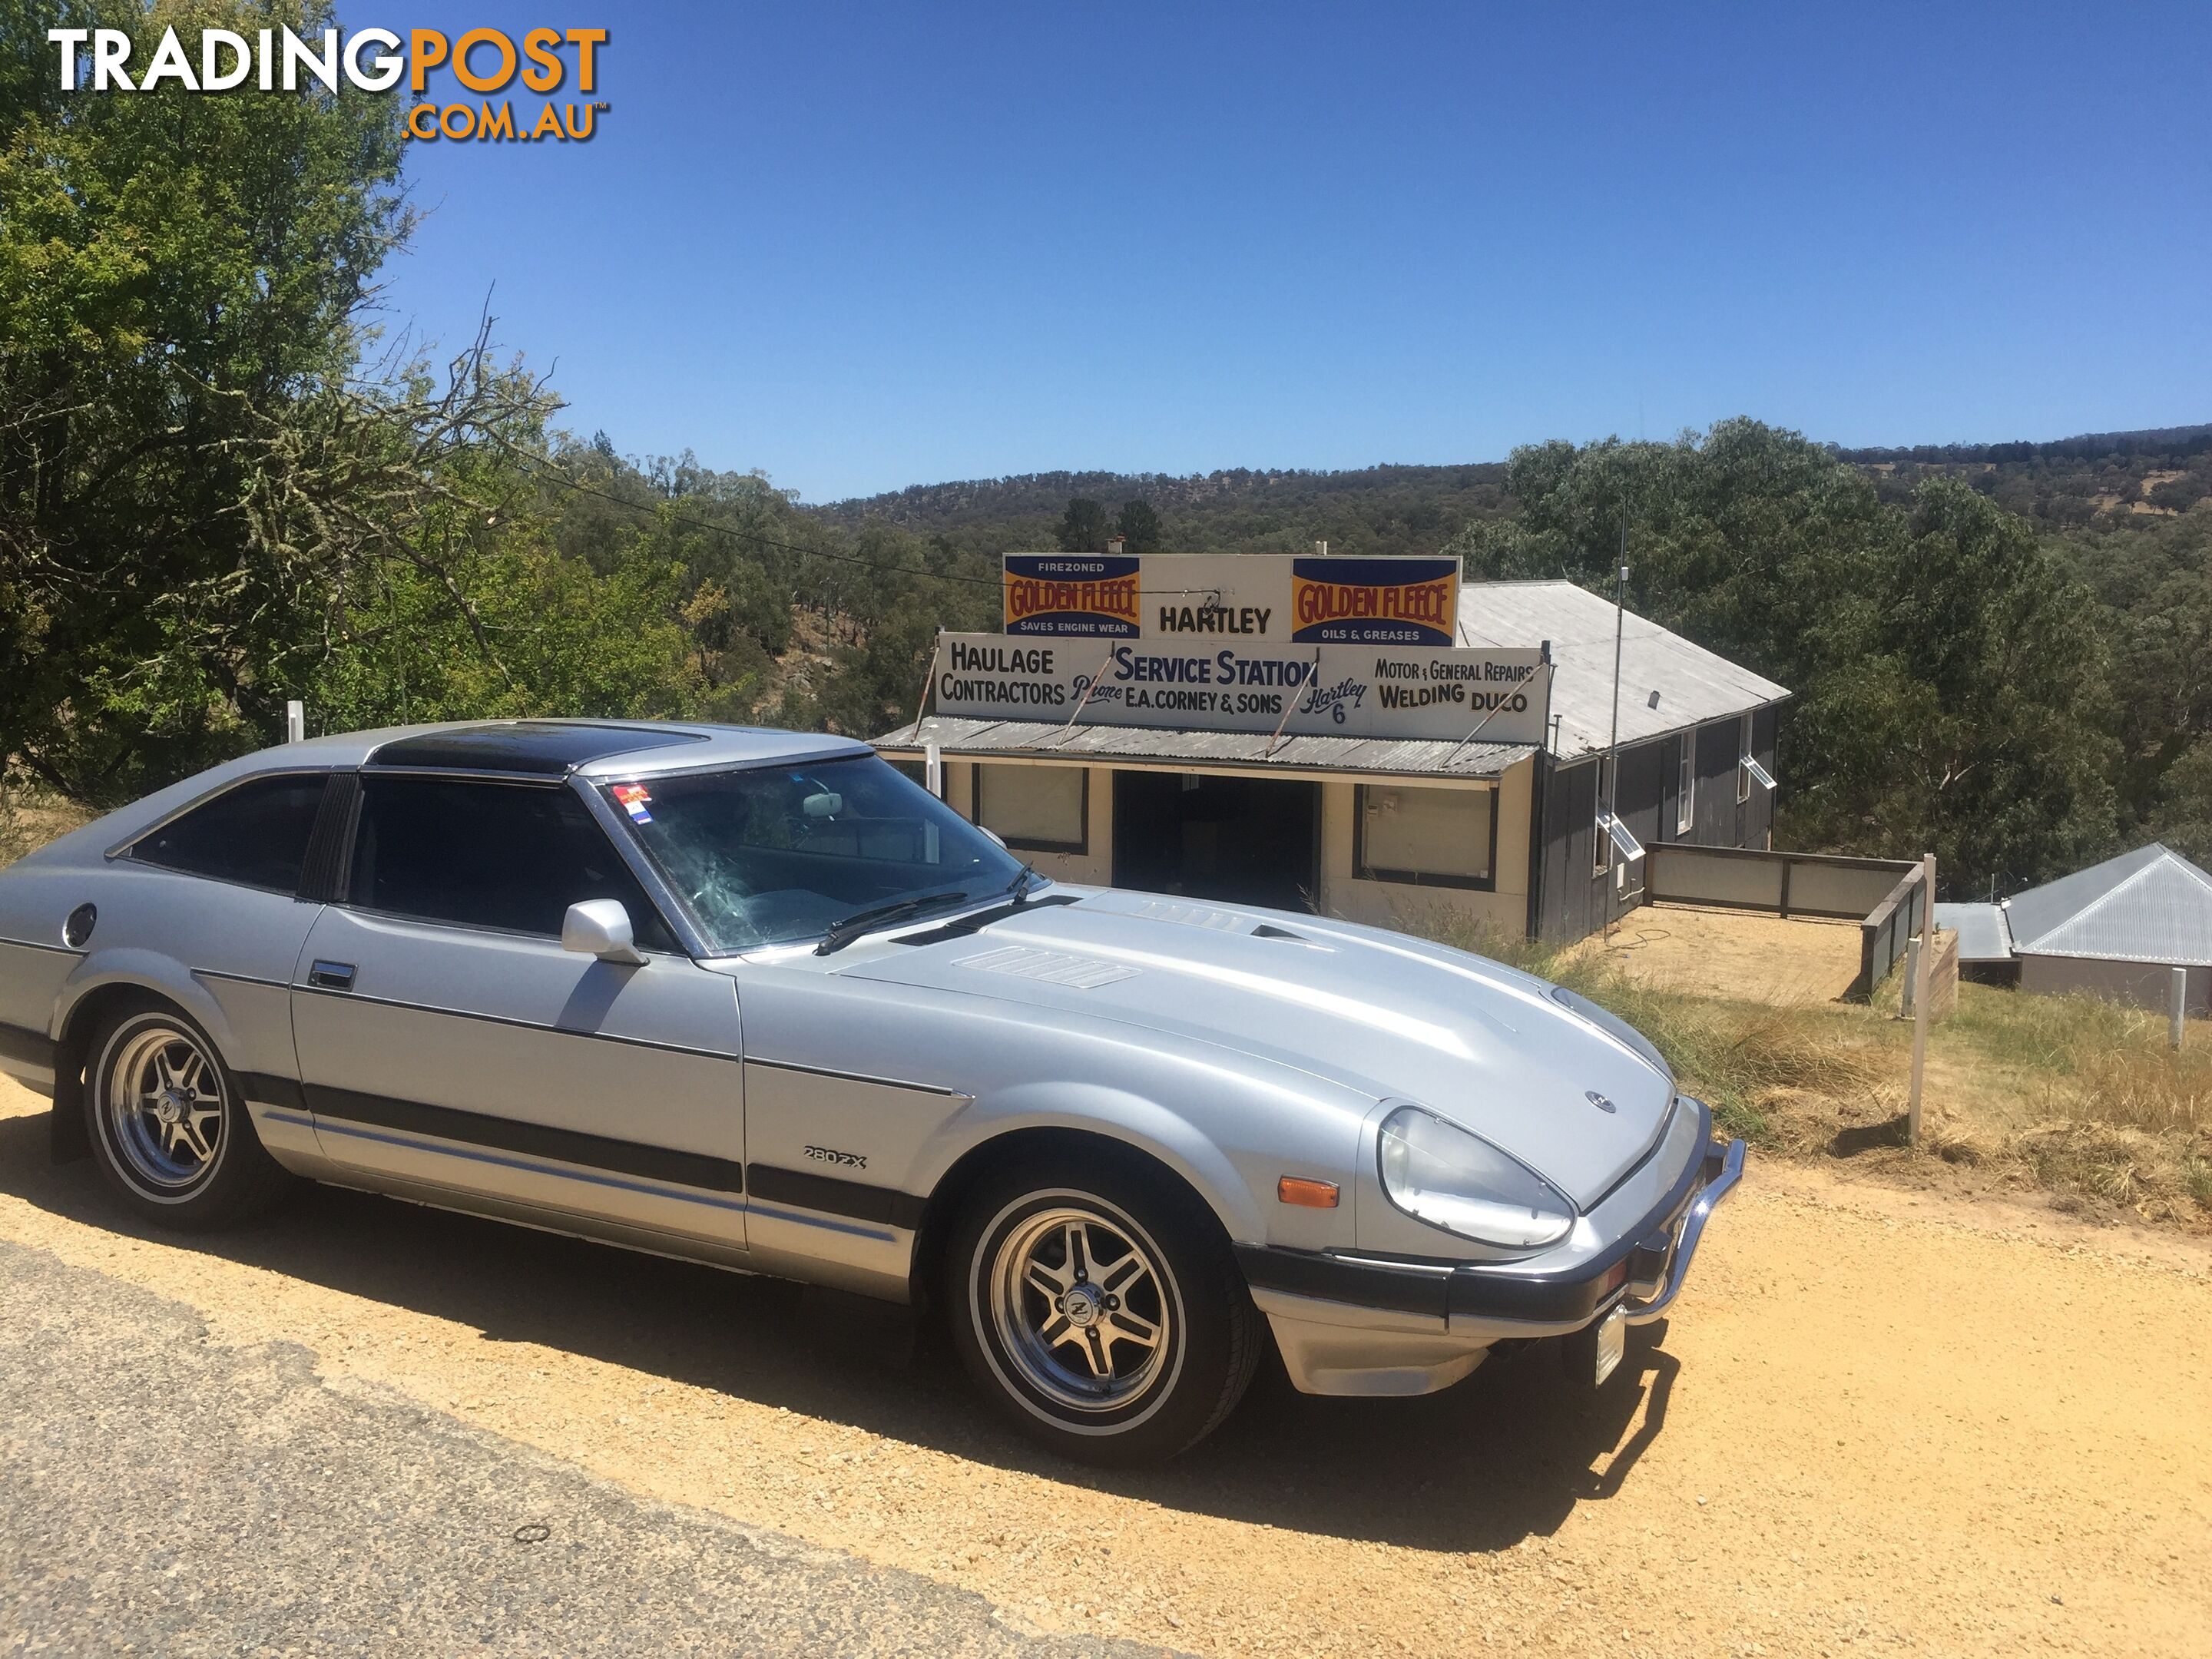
point(1880, 1420)
point(1741, 955)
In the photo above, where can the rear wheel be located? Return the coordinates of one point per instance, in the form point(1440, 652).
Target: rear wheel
point(1104, 1314)
point(168, 1124)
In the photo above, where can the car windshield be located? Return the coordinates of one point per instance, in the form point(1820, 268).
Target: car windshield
point(777, 854)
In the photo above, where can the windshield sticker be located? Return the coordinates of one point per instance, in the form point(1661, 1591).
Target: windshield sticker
point(633, 801)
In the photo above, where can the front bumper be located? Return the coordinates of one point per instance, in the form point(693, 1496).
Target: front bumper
point(1353, 1325)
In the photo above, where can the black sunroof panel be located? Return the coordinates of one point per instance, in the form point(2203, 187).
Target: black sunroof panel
point(537, 748)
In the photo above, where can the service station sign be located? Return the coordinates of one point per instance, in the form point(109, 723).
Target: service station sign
point(1257, 598)
point(1232, 685)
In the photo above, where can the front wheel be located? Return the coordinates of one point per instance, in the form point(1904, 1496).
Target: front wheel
point(169, 1127)
point(1101, 1310)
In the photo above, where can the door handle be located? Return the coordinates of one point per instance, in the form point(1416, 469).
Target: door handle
point(331, 975)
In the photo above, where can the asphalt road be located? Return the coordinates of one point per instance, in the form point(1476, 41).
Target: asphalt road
point(161, 1493)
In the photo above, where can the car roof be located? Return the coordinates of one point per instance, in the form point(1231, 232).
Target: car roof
point(552, 748)
point(541, 750)
point(544, 748)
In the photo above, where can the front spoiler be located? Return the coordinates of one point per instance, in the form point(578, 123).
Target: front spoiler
point(1356, 1327)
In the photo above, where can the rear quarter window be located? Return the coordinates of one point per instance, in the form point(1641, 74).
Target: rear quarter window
point(255, 833)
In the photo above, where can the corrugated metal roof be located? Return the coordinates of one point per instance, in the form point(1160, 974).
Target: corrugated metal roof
point(2150, 905)
point(1983, 935)
point(1140, 743)
point(1695, 685)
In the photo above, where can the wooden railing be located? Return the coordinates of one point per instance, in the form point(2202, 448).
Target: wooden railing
point(1882, 895)
point(1883, 935)
point(1788, 884)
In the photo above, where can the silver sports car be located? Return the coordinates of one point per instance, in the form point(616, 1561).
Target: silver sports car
point(755, 999)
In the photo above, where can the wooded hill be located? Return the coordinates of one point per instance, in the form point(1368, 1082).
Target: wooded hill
point(1375, 509)
point(2105, 480)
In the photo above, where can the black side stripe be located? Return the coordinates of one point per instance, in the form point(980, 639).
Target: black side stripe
point(273, 1091)
point(508, 1134)
point(20, 1042)
point(832, 1196)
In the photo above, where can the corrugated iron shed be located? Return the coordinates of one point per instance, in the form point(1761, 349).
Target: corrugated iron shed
point(2151, 905)
point(1695, 685)
point(1141, 746)
point(1983, 934)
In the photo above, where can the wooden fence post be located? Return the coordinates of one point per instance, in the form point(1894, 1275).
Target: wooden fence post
point(1919, 966)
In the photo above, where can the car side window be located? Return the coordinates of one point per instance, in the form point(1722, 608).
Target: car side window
point(509, 856)
point(255, 834)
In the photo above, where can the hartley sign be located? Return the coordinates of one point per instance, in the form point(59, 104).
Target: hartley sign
point(1331, 690)
point(1254, 597)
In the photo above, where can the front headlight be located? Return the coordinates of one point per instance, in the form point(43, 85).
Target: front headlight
point(1438, 1173)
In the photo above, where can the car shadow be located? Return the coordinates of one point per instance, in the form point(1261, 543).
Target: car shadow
point(1509, 1453)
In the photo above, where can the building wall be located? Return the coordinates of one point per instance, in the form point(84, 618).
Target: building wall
point(1343, 895)
point(1576, 899)
point(2138, 985)
point(1094, 867)
point(1397, 905)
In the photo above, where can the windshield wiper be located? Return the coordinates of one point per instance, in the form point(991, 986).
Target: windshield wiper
point(1019, 886)
point(843, 932)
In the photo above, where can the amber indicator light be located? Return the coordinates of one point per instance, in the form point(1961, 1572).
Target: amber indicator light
point(1308, 1194)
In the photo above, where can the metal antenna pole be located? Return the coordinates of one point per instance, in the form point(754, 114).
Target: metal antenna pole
point(1620, 615)
point(1612, 779)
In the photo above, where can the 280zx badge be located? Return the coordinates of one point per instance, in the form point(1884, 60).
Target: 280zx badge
point(831, 1155)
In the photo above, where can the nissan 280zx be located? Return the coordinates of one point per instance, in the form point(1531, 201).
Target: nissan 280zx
point(755, 999)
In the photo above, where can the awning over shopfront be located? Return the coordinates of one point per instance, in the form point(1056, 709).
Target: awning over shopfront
point(1172, 749)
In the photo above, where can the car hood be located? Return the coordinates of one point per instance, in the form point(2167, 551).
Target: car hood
point(1569, 1091)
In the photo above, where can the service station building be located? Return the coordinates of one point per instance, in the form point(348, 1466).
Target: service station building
point(1362, 737)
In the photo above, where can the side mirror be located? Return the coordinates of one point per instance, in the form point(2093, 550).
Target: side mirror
point(994, 836)
point(601, 927)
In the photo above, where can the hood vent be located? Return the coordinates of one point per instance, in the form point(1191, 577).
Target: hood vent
point(1053, 967)
point(1189, 915)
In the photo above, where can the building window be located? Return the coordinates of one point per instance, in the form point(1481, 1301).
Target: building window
point(1427, 837)
point(1038, 809)
point(1686, 786)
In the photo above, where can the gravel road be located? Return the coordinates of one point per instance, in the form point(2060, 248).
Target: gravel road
point(165, 1494)
point(1880, 1422)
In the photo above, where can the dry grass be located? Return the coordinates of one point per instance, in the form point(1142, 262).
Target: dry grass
point(1740, 1058)
point(29, 818)
point(2069, 1096)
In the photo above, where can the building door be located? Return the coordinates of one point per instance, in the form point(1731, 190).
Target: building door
point(1241, 840)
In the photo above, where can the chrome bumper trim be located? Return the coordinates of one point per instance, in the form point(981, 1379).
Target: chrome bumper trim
point(1693, 1228)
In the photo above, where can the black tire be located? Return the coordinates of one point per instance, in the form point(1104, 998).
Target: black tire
point(185, 1155)
point(1155, 1399)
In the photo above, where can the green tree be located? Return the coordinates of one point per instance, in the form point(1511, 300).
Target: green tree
point(1948, 670)
point(1083, 528)
point(1139, 526)
point(2154, 588)
point(210, 501)
point(1967, 709)
point(2183, 820)
point(175, 270)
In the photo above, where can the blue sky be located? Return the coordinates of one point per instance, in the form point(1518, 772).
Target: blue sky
point(863, 246)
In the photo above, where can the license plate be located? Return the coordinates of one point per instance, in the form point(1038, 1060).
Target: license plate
point(1612, 1344)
